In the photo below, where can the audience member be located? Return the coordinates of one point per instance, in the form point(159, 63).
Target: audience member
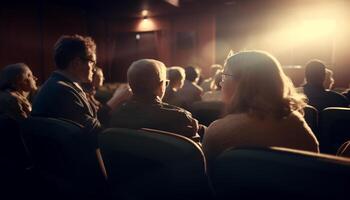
point(147, 79)
point(215, 94)
point(102, 111)
point(262, 108)
point(329, 80)
point(209, 83)
point(314, 89)
point(62, 96)
point(176, 76)
point(190, 92)
point(16, 82)
point(346, 93)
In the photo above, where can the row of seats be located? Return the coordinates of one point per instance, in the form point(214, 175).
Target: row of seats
point(145, 164)
point(331, 127)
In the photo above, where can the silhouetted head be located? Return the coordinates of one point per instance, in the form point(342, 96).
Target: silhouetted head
point(192, 73)
point(214, 69)
point(147, 77)
point(17, 77)
point(329, 80)
point(76, 55)
point(315, 72)
point(253, 82)
point(176, 76)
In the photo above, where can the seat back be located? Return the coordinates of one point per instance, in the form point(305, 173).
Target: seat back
point(207, 111)
point(311, 118)
point(13, 151)
point(279, 173)
point(63, 154)
point(152, 164)
point(334, 128)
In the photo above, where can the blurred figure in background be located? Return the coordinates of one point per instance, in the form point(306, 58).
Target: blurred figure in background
point(176, 76)
point(215, 93)
point(209, 83)
point(191, 91)
point(314, 89)
point(103, 111)
point(329, 80)
point(16, 82)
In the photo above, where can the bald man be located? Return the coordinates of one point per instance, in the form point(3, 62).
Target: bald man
point(147, 80)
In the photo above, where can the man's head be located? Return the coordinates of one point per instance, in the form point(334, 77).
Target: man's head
point(176, 76)
point(192, 73)
point(315, 71)
point(76, 55)
point(147, 77)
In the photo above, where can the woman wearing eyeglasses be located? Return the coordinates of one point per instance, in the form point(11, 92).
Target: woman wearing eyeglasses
point(16, 82)
point(262, 108)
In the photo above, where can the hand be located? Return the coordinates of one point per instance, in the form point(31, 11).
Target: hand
point(122, 93)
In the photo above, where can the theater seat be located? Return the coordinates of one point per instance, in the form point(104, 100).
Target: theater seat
point(344, 150)
point(12, 147)
point(15, 162)
point(149, 164)
point(278, 173)
point(64, 157)
point(207, 111)
point(311, 118)
point(334, 128)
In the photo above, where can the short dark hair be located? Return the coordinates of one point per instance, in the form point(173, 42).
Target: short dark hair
point(69, 47)
point(315, 72)
point(192, 73)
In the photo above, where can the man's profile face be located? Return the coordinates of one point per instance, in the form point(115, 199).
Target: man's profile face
point(86, 67)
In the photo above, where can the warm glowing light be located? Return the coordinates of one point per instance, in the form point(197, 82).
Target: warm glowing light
point(146, 24)
point(144, 13)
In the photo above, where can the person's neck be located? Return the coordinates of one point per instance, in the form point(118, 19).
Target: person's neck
point(147, 97)
point(68, 74)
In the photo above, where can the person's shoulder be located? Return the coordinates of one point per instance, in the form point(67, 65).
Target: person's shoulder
point(336, 95)
point(229, 122)
point(172, 108)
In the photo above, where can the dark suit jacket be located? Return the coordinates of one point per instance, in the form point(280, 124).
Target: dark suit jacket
point(321, 98)
point(59, 97)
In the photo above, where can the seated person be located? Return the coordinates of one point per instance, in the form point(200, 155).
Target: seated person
point(16, 82)
point(262, 108)
point(176, 76)
point(147, 79)
point(209, 83)
point(215, 94)
point(62, 96)
point(346, 93)
point(328, 80)
point(102, 110)
point(314, 89)
point(190, 92)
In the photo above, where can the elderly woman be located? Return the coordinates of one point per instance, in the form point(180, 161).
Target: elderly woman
point(16, 81)
point(262, 108)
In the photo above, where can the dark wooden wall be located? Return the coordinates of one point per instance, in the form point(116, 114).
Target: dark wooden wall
point(200, 36)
